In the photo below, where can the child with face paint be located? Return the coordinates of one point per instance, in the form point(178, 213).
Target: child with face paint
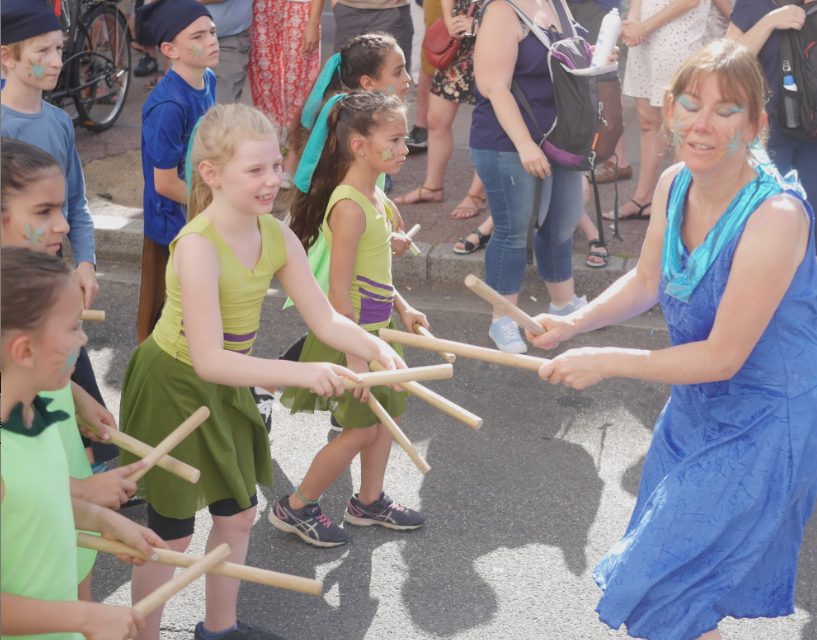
point(186, 34)
point(729, 481)
point(221, 264)
point(32, 195)
point(41, 337)
point(355, 138)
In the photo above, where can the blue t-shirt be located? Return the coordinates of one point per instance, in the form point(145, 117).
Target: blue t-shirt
point(168, 117)
point(51, 130)
point(745, 15)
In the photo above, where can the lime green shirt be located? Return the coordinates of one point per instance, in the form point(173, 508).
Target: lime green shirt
point(372, 292)
point(241, 291)
point(38, 557)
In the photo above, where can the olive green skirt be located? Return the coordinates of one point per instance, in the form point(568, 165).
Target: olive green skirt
point(231, 448)
point(347, 411)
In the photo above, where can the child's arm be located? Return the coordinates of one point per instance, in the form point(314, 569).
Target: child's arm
point(81, 233)
point(27, 616)
point(196, 262)
point(409, 316)
point(93, 413)
point(164, 135)
point(169, 185)
point(110, 524)
point(110, 489)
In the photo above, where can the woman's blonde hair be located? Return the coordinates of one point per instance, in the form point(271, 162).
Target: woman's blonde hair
point(216, 138)
point(740, 78)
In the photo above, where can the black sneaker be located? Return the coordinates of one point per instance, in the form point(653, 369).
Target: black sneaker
point(385, 512)
point(244, 632)
point(265, 402)
point(309, 524)
point(417, 140)
point(146, 66)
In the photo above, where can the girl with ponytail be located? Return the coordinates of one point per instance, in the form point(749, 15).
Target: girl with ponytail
point(199, 353)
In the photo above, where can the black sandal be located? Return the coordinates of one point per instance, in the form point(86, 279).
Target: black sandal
point(598, 252)
point(470, 247)
point(638, 215)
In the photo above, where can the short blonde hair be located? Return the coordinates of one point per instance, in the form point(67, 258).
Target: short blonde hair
point(216, 138)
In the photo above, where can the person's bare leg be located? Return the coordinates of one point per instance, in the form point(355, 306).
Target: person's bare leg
point(474, 201)
point(373, 460)
point(221, 593)
point(146, 579)
point(441, 114)
point(423, 93)
point(622, 155)
point(561, 293)
point(330, 462)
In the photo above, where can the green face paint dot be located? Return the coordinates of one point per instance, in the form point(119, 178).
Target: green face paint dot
point(33, 237)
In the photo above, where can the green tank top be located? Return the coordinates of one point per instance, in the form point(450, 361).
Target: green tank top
point(38, 550)
point(241, 291)
point(78, 465)
point(372, 293)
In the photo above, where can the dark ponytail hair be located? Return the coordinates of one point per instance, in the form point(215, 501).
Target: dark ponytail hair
point(20, 164)
point(363, 55)
point(31, 281)
point(360, 112)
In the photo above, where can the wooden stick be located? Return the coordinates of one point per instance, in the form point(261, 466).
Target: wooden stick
point(437, 401)
point(517, 360)
point(397, 433)
point(95, 315)
point(500, 302)
point(154, 600)
point(398, 376)
point(141, 449)
point(421, 330)
point(227, 569)
point(175, 437)
point(415, 250)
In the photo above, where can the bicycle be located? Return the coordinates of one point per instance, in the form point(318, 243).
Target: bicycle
point(95, 77)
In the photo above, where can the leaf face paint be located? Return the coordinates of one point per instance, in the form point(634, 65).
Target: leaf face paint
point(735, 143)
point(196, 51)
point(36, 70)
point(386, 155)
point(70, 361)
point(34, 237)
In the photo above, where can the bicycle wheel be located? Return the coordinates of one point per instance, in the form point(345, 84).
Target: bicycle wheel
point(101, 71)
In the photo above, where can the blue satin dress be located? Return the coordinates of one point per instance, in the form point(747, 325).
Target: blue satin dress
point(730, 478)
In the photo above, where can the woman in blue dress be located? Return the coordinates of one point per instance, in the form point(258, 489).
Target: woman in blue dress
point(730, 478)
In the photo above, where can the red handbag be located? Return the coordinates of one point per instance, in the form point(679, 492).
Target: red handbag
point(438, 45)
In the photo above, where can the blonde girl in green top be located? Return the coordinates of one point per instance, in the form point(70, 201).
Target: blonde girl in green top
point(41, 337)
point(356, 137)
point(200, 353)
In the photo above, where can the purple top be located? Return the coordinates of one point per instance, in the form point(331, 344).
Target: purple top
point(533, 77)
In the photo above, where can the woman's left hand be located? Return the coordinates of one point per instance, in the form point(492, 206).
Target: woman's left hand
point(576, 368)
point(632, 33)
point(312, 37)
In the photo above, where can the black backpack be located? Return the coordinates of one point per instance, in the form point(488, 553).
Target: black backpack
point(797, 104)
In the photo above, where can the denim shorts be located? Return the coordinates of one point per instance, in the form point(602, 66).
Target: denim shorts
point(512, 195)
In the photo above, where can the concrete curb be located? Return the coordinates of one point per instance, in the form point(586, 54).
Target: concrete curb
point(119, 239)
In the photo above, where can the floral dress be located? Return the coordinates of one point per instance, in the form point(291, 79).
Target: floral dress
point(456, 83)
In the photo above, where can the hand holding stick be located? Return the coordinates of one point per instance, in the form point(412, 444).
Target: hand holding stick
point(227, 569)
point(415, 250)
point(498, 301)
point(398, 376)
point(437, 401)
point(95, 315)
point(154, 600)
point(175, 437)
point(140, 449)
point(517, 360)
point(397, 433)
point(421, 330)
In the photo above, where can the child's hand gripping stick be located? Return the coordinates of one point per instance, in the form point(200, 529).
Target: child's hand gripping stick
point(154, 600)
point(415, 250)
point(227, 569)
point(492, 297)
point(175, 437)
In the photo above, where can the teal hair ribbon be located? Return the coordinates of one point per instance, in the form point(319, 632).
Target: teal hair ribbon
point(188, 165)
point(315, 99)
point(314, 146)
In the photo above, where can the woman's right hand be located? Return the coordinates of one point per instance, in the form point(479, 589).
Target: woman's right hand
point(111, 622)
point(789, 17)
point(534, 160)
point(323, 378)
point(558, 329)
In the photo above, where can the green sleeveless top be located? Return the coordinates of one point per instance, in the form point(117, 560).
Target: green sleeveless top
point(372, 293)
point(38, 557)
point(241, 291)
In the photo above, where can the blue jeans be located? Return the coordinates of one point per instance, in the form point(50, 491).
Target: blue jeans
point(511, 193)
point(790, 153)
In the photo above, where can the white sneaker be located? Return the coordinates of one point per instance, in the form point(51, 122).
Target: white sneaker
point(505, 333)
point(570, 307)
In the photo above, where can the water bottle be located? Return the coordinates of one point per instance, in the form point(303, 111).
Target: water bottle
point(791, 103)
point(608, 36)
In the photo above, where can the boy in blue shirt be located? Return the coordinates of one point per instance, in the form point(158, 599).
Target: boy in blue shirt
point(187, 36)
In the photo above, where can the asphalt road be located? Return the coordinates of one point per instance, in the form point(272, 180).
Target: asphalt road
point(518, 512)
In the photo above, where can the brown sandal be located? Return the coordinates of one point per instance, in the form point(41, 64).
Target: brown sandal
point(469, 211)
point(420, 198)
